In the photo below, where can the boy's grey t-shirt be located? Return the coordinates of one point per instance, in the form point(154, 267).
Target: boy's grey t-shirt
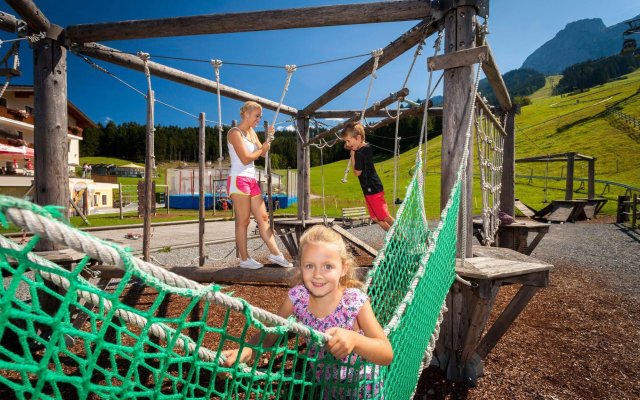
point(369, 179)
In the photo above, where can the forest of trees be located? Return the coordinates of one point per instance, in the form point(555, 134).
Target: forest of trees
point(520, 83)
point(172, 143)
point(588, 74)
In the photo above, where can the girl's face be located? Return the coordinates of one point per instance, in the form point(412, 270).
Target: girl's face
point(253, 116)
point(322, 268)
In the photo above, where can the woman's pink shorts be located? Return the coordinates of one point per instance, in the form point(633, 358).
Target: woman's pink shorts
point(243, 185)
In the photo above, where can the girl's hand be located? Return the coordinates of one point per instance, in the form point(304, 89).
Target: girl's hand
point(232, 356)
point(342, 342)
point(265, 147)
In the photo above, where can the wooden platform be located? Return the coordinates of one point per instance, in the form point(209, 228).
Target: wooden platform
point(593, 207)
point(463, 346)
point(563, 211)
point(516, 236)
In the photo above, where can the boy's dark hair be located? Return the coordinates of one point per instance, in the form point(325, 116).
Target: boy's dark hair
point(353, 129)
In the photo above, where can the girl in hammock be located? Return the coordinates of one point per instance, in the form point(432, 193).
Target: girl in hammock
point(328, 299)
point(362, 160)
point(244, 149)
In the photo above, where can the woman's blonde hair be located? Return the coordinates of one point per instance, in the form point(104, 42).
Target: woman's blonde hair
point(322, 234)
point(353, 129)
point(247, 107)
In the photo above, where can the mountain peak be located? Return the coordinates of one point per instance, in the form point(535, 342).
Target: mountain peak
point(582, 40)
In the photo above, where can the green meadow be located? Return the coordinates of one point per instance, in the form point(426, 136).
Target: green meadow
point(551, 124)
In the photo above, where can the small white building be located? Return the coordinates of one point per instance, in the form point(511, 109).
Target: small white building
point(17, 139)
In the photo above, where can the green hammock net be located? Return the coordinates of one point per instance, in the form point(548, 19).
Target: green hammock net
point(127, 349)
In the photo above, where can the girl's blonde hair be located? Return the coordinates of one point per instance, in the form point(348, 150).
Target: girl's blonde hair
point(247, 107)
point(353, 129)
point(322, 234)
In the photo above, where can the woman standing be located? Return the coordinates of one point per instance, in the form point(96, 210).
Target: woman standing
point(244, 149)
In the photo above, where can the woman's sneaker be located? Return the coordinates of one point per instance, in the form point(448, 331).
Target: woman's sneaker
point(280, 260)
point(250, 263)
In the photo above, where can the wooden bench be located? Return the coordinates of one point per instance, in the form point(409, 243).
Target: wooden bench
point(352, 214)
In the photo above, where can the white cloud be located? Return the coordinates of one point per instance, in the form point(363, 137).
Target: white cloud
point(107, 120)
point(335, 119)
point(290, 128)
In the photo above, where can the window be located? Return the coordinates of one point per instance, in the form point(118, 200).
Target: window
point(3, 102)
point(28, 109)
point(104, 199)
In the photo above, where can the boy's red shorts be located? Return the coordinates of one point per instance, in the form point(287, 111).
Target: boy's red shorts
point(377, 206)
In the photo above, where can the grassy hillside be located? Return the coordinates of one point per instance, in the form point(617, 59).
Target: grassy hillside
point(552, 124)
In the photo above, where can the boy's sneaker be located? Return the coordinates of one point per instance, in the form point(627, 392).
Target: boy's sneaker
point(280, 260)
point(250, 263)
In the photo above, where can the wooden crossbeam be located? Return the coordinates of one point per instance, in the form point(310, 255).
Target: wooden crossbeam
point(489, 113)
point(8, 22)
point(162, 71)
point(457, 59)
point(490, 69)
point(348, 14)
point(31, 14)
point(402, 93)
point(390, 52)
point(411, 112)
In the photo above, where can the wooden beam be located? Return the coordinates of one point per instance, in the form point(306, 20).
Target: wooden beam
point(227, 275)
point(8, 22)
point(31, 14)
point(50, 127)
point(393, 50)
point(133, 62)
point(494, 77)
point(460, 58)
point(411, 112)
point(371, 113)
point(508, 179)
point(460, 32)
point(505, 320)
point(489, 113)
point(355, 240)
point(349, 14)
point(402, 93)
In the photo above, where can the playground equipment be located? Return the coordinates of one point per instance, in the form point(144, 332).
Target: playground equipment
point(408, 306)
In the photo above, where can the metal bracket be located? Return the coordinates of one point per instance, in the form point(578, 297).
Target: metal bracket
point(440, 7)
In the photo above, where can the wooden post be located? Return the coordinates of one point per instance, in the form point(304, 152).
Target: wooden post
point(201, 190)
point(50, 128)
point(568, 195)
point(591, 187)
point(507, 193)
point(634, 211)
point(456, 326)
point(267, 164)
point(148, 178)
point(304, 206)
point(120, 199)
point(460, 34)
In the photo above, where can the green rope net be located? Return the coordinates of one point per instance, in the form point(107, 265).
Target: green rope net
point(61, 337)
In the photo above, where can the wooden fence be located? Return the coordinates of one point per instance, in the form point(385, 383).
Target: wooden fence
point(628, 210)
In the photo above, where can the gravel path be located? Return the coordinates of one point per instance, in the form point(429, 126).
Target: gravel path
point(610, 250)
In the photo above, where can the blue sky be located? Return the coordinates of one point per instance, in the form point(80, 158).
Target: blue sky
point(516, 29)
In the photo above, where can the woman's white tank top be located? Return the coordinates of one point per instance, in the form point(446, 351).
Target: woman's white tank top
point(237, 167)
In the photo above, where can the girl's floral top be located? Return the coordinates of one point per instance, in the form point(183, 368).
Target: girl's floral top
point(344, 316)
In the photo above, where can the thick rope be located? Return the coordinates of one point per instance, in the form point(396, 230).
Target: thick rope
point(396, 149)
point(376, 54)
point(463, 162)
point(24, 215)
point(216, 66)
point(425, 115)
